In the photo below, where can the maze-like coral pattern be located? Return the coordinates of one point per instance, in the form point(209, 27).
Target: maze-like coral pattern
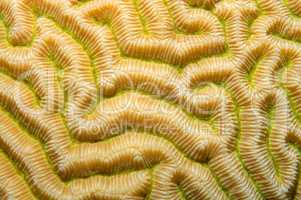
point(150, 99)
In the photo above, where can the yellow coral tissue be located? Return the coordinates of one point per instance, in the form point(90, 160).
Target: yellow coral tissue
point(150, 99)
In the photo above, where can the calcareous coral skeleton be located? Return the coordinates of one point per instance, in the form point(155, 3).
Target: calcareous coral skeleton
point(150, 99)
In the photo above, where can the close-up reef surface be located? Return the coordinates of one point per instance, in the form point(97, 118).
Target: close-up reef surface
point(150, 99)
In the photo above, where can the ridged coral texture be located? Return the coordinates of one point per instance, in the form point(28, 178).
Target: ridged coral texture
point(150, 99)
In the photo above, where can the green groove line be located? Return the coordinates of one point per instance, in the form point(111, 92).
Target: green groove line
point(237, 151)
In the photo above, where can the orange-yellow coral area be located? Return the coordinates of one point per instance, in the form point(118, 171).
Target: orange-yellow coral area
point(150, 99)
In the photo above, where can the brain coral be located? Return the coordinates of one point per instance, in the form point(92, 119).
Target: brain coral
point(150, 99)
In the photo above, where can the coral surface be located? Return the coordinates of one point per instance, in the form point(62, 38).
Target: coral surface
point(150, 99)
